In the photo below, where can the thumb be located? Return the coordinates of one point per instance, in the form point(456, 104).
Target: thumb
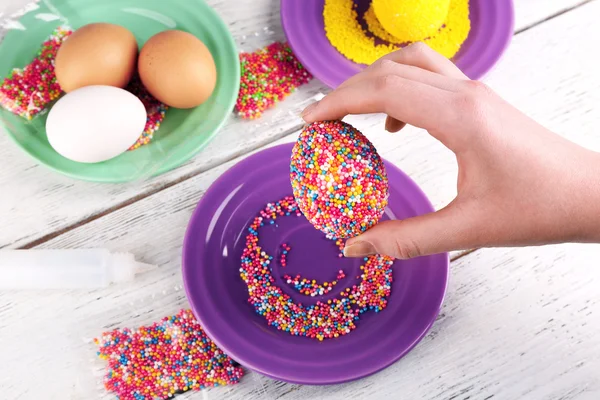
point(413, 237)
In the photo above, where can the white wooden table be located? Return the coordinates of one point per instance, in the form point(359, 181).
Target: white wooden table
point(516, 324)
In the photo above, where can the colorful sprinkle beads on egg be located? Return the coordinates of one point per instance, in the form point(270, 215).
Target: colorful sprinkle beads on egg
point(268, 76)
point(310, 287)
point(338, 179)
point(168, 357)
point(26, 92)
point(155, 111)
point(325, 319)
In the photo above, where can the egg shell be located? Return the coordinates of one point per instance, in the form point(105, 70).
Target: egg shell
point(95, 123)
point(338, 179)
point(177, 69)
point(96, 54)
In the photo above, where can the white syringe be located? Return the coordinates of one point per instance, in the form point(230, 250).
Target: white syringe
point(66, 268)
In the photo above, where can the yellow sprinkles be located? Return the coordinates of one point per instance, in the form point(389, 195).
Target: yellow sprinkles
point(345, 33)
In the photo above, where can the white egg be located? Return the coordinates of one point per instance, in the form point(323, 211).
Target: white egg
point(95, 123)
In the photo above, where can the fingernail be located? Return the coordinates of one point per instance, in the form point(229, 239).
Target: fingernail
point(309, 109)
point(388, 124)
point(359, 249)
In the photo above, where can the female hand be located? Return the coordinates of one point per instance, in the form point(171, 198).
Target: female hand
point(518, 183)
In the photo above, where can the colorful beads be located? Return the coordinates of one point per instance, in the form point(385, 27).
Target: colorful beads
point(155, 111)
point(268, 76)
point(340, 244)
point(26, 92)
point(344, 30)
point(338, 179)
point(310, 287)
point(285, 249)
point(325, 319)
point(168, 357)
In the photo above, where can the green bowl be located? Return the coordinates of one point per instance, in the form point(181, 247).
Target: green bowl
point(182, 134)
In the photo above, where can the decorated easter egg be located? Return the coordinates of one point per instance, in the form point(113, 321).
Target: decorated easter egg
point(338, 179)
point(95, 123)
point(411, 20)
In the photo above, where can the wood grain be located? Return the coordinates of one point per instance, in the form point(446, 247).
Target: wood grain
point(516, 323)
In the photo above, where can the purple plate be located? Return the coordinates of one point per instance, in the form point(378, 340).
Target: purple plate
point(492, 24)
point(211, 260)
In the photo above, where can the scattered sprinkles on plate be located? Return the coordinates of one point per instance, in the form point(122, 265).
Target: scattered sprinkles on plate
point(345, 32)
point(168, 357)
point(325, 319)
point(268, 76)
point(411, 20)
point(310, 287)
point(338, 179)
point(285, 249)
point(155, 111)
point(26, 92)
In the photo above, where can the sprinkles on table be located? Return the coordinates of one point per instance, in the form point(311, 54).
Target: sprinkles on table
point(268, 76)
point(338, 179)
point(311, 287)
point(168, 357)
point(331, 319)
point(26, 92)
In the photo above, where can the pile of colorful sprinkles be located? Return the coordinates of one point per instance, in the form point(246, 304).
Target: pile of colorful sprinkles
point(325, 319)
point(26, 92)
point(168, 357)
point(311, 287)
point(364, 45)
point(338, 179)
point(268, 76)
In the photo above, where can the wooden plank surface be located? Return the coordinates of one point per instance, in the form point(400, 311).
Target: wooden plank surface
point(516, 323)
point(36, 203)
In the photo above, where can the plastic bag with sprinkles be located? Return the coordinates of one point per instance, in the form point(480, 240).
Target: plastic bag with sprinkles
point(31, 34)
point(133, 348)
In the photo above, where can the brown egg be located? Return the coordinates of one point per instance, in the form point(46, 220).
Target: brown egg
point(96, 54)
point(177, 69)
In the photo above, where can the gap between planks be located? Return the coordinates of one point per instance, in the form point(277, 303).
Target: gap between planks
point(154, 191)
point(552, 16)
point(141, 196)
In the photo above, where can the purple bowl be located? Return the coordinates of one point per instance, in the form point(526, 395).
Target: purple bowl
point(211, 260)
point(492, 23)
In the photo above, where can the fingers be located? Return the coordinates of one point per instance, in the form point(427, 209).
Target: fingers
point(433, 233)
point(416, 62)
point(405, 100)
point(385, 66)
point(422, 56)
point(392, 125)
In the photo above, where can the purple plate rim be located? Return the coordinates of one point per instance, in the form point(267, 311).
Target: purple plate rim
point(502, 14)
point(187, 271)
